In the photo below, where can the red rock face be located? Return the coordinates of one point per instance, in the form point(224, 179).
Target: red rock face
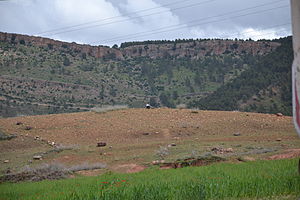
point(95, 51)
point(193, 50)
point(198, 49)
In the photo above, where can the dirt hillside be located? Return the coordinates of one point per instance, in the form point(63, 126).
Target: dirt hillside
point(133, 136)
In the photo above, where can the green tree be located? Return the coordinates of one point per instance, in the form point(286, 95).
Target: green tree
point(165, 100)
point(66, 61)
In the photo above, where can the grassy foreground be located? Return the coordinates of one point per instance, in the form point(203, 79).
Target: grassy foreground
point(260, 179)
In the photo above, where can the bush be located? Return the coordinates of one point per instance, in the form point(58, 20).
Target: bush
point(7, 137)
point(87, 166)
point(181, 106)
point(52, 171)
point(108, 108)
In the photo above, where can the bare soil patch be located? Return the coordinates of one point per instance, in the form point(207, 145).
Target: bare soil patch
point(129, 168)
point(290, 153)
point(135, 135)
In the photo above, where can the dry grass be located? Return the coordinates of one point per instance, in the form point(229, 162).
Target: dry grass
point(45, 171)
point(107, 108)
point(181, 106)
point(51, 171)
point(7, 136)
point(87, 166)
point(162, 152)
point(62, 147)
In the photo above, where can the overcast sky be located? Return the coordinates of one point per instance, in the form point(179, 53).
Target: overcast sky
point(109, 22)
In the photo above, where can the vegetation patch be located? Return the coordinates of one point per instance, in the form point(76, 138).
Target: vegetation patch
point(52, 171)
point(4, 136)
point(199, 161)
point(274, 179)
point(107, 108)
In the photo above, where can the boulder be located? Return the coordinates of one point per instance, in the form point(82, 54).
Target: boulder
point(37, 157)
point(101, 144)
point(246, 159)
point(219, 150)
point(36, 137)
point(27, 128)
point(236, 134)
point(157, 162)
point(228, 150)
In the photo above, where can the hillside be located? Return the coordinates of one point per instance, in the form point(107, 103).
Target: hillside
point(136, 137)
point(40, 75)
point(264, 87)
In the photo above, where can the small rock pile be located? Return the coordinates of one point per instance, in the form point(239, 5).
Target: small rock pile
point(219, 150)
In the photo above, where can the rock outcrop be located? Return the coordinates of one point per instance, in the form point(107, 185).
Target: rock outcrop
point(95, 51)
point(199, 49)
point(191, 49)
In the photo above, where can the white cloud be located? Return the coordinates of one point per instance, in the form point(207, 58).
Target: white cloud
point(160, 16)
point(240, 33)
point(81, 11)
point(257, 34)
point(36, 16)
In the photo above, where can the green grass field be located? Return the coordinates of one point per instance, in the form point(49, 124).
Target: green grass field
point(276, 179)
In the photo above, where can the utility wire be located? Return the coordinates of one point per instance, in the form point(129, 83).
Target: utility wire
point(124, 20)
point(105, 19)
point(189, 22)
point(118, 16)
point(185, 26)
point(128, 19)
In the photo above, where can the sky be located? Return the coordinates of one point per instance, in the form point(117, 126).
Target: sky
point(109, 22)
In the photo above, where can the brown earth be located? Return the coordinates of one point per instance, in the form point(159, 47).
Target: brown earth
point(290, 153)
point(129, 168)
point(133, 136)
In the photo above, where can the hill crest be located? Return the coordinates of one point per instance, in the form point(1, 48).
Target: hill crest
point(194, 49)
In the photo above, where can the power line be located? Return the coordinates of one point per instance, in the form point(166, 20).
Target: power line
point(182, 26)
point(191, 5)
point(119, 21)
point(189, 22)
point(105, 19)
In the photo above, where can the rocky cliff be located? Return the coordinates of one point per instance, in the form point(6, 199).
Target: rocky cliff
point(95, 51)
point(199, 49)
point(194, 50)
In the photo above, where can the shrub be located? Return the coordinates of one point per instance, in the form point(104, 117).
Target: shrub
point(87, 166)
point(181, 106)
point(7, 137)
point(162, 152)
point(52, 171)
point(107, 108)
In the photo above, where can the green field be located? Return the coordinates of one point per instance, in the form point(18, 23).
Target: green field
point(276, 179)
